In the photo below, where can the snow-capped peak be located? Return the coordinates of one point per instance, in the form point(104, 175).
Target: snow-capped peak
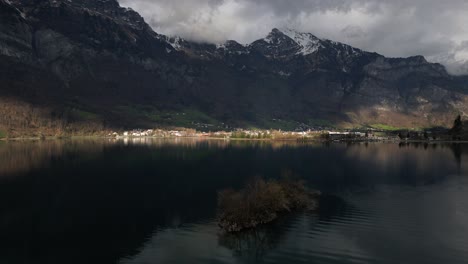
point(176, 42)
point(308, 42)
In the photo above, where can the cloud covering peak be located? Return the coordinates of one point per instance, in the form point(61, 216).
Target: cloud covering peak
point(398, 28)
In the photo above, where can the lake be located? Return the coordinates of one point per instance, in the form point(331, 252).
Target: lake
point(154, 201)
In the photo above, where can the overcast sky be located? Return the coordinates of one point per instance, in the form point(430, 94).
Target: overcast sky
point(397, 28)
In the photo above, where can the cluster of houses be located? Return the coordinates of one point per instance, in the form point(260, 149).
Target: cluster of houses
point(154, 133)
point(249, 134)
point(334, 135)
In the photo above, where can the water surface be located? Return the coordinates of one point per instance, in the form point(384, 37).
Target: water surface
point(154, 201)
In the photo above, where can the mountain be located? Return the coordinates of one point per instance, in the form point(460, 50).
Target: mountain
point(66, 64)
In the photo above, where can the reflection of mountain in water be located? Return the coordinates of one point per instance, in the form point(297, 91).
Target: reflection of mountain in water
point(23, 156)
point(99, 203)
point(408, 163)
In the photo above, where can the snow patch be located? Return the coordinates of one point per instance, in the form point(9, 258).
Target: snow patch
point(175, 42)
point(268, 39)
point(309, 43)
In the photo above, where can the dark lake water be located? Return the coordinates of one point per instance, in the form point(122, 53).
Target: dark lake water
point(154, 201)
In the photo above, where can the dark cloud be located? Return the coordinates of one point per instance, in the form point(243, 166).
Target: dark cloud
point(433, 28)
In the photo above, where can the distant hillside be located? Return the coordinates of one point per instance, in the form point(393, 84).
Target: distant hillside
point(93, 62)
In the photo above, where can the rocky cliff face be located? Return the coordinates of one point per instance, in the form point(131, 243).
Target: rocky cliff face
point(95, 56)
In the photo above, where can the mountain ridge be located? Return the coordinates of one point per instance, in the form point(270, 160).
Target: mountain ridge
point(105, 60)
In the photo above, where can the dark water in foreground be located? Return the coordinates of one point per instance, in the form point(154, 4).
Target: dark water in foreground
point(154, 201)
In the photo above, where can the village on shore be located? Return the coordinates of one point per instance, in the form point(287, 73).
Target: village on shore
point(308, 135)
point(459, 132)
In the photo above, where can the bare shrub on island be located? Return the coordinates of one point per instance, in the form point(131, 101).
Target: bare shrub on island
point(261, 202)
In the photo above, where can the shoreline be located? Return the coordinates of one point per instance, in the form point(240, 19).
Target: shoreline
point(296, 140)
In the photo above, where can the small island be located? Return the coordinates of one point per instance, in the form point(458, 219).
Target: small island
point(262, 202)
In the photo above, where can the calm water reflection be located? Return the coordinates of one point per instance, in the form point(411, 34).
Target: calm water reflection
point(154, 201)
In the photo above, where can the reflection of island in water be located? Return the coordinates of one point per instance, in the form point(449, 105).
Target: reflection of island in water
point(101, 201)
point(256, 244)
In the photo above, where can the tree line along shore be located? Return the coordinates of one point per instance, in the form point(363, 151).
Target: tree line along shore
point(458, 132)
